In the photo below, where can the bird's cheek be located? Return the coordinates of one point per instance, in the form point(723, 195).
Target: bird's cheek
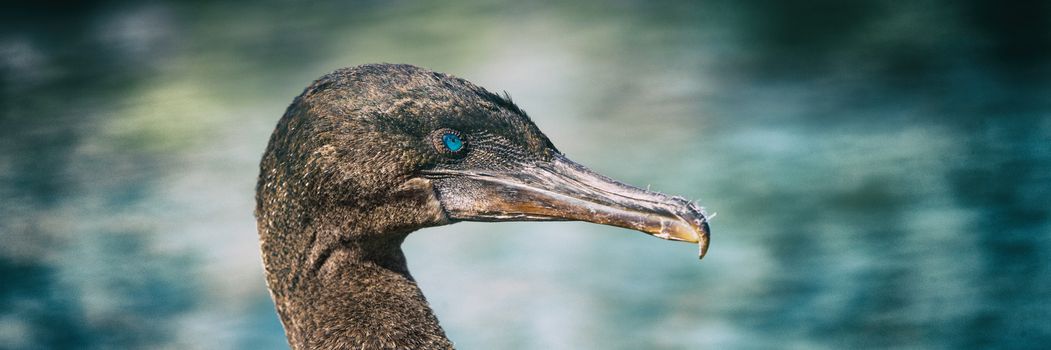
point(420, 196)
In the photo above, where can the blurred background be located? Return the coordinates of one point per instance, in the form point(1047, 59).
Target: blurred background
point(881, 170)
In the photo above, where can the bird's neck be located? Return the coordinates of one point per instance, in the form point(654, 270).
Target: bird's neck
point(362, 296)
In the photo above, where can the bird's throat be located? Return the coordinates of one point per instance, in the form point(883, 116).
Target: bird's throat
point(363, 301)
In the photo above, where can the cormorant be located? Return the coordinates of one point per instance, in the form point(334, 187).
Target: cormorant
point(366, 155)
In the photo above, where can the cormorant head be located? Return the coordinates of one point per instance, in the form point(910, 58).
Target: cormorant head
point(384, 149)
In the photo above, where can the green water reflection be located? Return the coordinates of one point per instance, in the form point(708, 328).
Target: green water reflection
point(880, 170)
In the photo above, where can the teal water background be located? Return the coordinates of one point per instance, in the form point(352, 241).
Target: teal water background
point(880, 170)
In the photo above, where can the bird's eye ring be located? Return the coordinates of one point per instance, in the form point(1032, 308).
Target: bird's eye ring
point(449, 142)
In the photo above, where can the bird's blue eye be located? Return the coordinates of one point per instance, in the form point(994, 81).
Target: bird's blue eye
point(452, 142)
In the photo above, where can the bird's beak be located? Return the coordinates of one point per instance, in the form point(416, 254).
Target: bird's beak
point(564, 190)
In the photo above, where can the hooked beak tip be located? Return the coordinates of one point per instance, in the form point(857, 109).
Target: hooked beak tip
point(702, 240)
point(693, 228)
